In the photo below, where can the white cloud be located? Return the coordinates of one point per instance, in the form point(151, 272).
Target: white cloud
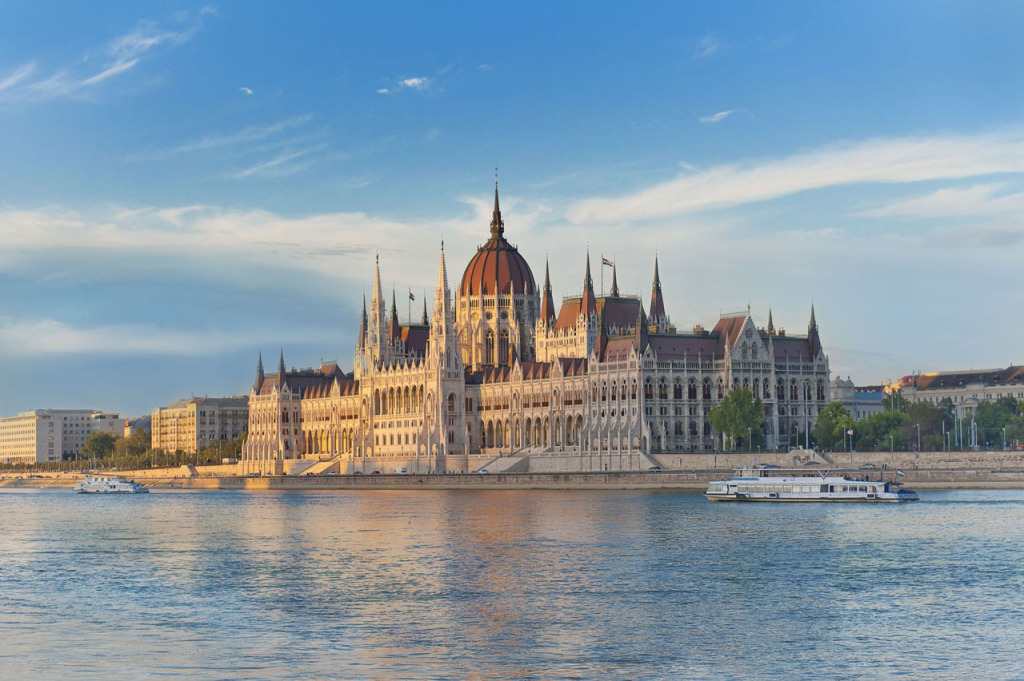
point(980, 200)
point(250, 134)
point(419, 84)
point(279, 166)
point(17, 75)
point(714, 118)
point(245, 90)
point(122, 54)
point(898, 160)
point(44, 337)
point(706, 47)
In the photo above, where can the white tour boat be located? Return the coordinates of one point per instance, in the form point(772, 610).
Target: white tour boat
point(93, 484)
point(783, 484)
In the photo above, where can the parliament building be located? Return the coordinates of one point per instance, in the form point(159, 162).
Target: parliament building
point(499, 379)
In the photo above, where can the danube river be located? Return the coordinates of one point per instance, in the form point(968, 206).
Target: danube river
point(508, 585)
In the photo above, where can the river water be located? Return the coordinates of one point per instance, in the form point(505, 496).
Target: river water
point(508, 585)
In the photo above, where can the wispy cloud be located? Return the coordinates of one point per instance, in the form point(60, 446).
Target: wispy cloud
point(889, 161)
point(17, 75)
point(980, 200)
point(279, 166)
point(249, 134)
point(419, 84)
point(245, 90)
point(47, 337)
point(118, 56)
point(720, 116)
point(706, 47)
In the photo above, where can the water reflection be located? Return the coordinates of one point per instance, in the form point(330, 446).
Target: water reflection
point(503, 584)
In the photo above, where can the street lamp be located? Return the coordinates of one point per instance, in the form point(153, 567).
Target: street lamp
point(918, 426)
point(750, 434)
point(1004, 438)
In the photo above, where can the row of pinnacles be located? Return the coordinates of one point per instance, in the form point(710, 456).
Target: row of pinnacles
point(498, 378)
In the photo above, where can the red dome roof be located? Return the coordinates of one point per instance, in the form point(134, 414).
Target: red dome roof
point(497, 268)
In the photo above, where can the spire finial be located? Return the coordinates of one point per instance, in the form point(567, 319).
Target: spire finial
point(497, 225)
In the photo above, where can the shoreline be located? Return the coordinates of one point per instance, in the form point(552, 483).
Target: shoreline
point(688, 481)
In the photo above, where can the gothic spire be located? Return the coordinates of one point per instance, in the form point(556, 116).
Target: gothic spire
point(771, 325)
point(394, 330)
point(280, 365)
point(362, 324)
point(657, 301)
point(425, 321)
point(259, 373)
point(547, 306)
point(589, 303)
point(497, 226)
point(614, 293)
point(813, 340)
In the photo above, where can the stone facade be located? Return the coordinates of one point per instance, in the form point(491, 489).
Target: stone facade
point(49, 435)
point(966, 389)
point(498, 376)
point(191, 425)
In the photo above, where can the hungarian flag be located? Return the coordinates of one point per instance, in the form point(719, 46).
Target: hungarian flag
point(900, 473)
point(411, 296)
point(606, 261)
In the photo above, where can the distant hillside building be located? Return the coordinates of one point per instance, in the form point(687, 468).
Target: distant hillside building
point(191, 425)
point(966, 389)
point(860, 401)
point(50, 435)
point(498, 372)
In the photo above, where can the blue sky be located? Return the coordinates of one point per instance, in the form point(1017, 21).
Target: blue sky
point(184, 186)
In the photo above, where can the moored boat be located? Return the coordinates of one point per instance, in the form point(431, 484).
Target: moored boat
point(95, 484)
point(786, 485)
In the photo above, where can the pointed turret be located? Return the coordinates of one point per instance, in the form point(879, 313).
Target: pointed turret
point(362, 326)
point(394, 330)
point(280, 364)
point(771, 325)
point(658, 317)
point(615, 284)
point(588, 305)
point(425, 321)
point(497, 226)
point(259, 373)
point(642, 328)
point(813, 340)
point(547, 306)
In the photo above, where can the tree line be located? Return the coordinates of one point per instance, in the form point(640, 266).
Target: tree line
point(902, 426)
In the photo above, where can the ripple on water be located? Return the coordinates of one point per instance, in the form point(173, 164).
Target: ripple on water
point(496, 585)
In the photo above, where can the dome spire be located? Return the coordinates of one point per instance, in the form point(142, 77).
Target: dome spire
point(547, 309)
point(615, 284)
point(497, 226)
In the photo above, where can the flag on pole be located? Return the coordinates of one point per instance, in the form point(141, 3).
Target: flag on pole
point(900, 473)
point(606, 261)
point(411, 296)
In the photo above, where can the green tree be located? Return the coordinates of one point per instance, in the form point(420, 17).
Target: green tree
point(738, 416)
point(99, 446)
point(833, 422)
point(880, 432)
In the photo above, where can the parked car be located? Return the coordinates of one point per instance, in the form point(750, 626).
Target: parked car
point(482, 471)
point(866, 466)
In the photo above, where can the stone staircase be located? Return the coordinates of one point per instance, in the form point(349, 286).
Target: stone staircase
point(508, 464)
point(322, 467)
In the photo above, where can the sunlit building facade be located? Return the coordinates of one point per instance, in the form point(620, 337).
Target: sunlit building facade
point(498, 378)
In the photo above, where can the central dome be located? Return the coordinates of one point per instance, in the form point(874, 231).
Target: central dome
point(497, 268)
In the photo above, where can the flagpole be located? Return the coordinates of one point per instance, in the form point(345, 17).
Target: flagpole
point(602, 274)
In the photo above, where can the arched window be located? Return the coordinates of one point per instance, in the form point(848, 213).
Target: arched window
point(489, 347)
point(721, 389)
point(451, 402)
point(677, 390)
point(662, 390)
point(503, 347)
point(691, 390)
point(793, 391)
point(648, 390)
point(706, 389)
